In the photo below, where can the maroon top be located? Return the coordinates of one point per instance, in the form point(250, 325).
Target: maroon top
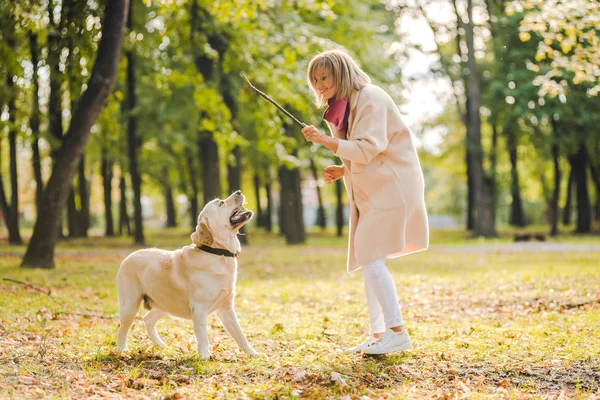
point(337, 113)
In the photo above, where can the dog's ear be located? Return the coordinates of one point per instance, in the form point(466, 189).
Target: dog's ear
point(203, 235)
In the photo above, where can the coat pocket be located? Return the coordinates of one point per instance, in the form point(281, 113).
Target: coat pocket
point(377, 184)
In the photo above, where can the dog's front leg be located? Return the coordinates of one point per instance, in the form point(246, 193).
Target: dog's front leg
point(199, 315)
point(230, 322)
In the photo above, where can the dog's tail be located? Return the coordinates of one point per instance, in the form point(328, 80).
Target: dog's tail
point(147, 302)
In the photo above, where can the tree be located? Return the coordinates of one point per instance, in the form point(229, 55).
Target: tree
point(10, 211)
point(40, 251)
point(339, 208)
point(484, 224)
point(569, 33)
point(205, 34)
point(133, 140)
point(557, 177)
point(321, 218)
point(34, 122)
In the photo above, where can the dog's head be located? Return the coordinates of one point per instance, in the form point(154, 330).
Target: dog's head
point(220, 221)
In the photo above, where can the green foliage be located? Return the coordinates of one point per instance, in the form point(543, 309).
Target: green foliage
point(513, 100)
point(569, 32)
point(271, 42)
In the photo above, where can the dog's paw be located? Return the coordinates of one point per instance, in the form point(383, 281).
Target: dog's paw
point(117, 352)
point(205, 355)
point(261, 356)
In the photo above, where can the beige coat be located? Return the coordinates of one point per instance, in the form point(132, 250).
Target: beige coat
point(383, 179)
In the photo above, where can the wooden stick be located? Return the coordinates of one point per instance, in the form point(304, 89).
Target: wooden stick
point(28, 285)
point(301, 124)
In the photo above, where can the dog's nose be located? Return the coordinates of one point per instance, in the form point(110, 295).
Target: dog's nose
point(237, 192)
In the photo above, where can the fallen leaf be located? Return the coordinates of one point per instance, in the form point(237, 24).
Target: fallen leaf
point(336, 377)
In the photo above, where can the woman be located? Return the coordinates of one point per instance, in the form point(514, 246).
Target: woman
point(384, 182)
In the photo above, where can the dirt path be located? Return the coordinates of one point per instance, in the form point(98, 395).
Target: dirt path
point(521, 247)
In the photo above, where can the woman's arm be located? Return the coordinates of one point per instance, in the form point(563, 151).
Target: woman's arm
point(330, 142)
point(369, 131)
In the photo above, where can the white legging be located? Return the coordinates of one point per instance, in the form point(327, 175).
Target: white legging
point(382, 299)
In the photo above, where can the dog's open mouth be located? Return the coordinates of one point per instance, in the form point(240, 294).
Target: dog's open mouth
point(239, 216)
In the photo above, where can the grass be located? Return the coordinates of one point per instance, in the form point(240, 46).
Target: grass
point(490, 323)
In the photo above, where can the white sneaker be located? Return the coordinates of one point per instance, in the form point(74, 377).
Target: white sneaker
point(390, 342)
point(361, 346)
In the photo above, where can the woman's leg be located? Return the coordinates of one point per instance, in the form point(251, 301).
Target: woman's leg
point(375, 312)
point(382, 297)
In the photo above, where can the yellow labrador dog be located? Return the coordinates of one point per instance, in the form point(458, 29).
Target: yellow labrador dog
point(191, 282)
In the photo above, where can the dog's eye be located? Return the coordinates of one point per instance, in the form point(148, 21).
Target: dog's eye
point(221, 203)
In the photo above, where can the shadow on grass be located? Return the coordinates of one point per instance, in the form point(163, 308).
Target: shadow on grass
point(149, 362)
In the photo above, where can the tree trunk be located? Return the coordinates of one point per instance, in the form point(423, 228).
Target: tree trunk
point(597, 211)
point(484, 223)
point(517, 216)
point(282, 219)
point(339, 208)
point(493, 169)
point(321, 218)
point(193, 196)
point(169, 203)
point(206, 64)
point(291, 211)
point(11, 211)
point(72, 215)
point(554, 209)
point(578, 163)
point(5, 207)
point(234, 164)
point(211, 174)
point(79, 221)
point(259, 212)
point(55, 96)
point(556, 194)
point(40, 251)
point(494, 156)
point(84, 199)
point(234, 178)
point(133, 141)
point(596, 179)
point(269, 212)
point(170, 207)
point(14, 236)
point(465, 116)
point(106, 172)
point(123, 215)
point(470, 218)
point(35, 123)
point(569, 202)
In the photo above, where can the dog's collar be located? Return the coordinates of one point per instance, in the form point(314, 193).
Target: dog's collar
point(219, 252)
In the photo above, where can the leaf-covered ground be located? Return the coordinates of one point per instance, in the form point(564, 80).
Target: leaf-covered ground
point(488, 320)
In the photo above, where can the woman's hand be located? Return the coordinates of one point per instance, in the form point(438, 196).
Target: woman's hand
point(312, 134)
point(332, 173)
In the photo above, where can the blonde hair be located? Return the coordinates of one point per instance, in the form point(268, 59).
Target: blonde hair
point(347, 75)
